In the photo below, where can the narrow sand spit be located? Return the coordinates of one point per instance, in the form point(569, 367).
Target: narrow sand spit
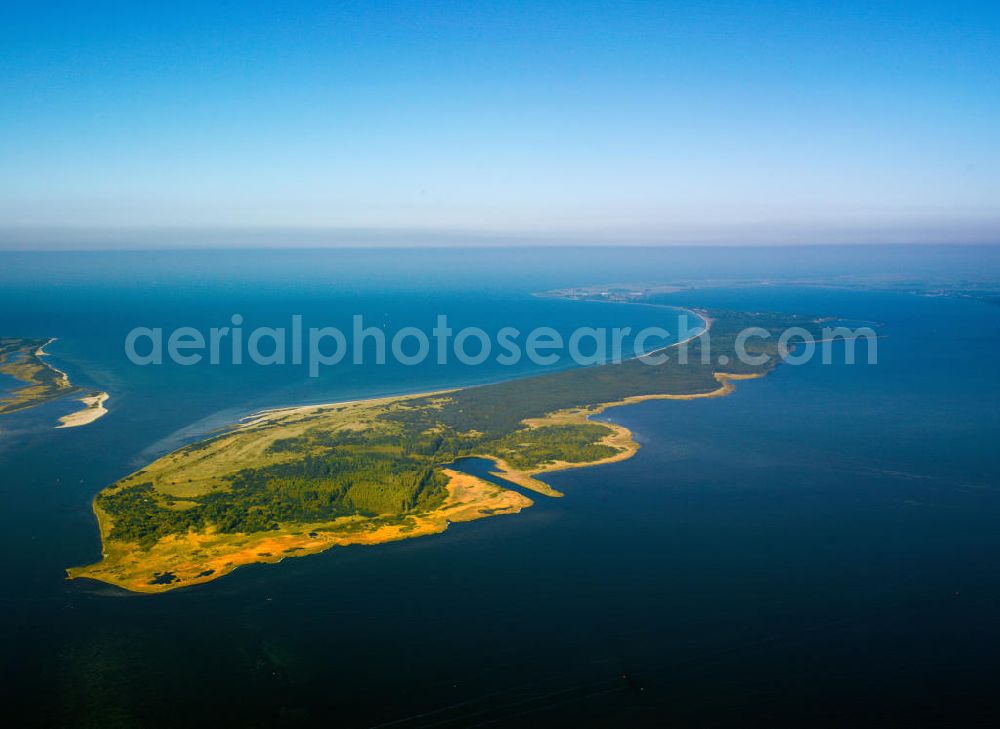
point(93, 409)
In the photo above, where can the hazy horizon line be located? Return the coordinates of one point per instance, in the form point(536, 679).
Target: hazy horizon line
point(160, 237)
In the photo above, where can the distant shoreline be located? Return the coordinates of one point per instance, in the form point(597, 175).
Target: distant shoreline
point(25, 360)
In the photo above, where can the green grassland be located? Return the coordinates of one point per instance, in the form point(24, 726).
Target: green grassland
point(22, 360)
point(373, 463)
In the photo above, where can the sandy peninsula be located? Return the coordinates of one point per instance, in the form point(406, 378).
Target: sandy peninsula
point(300, 480)
point(92, 410)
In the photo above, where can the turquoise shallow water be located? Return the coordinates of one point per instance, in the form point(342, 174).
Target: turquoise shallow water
point(821, 546)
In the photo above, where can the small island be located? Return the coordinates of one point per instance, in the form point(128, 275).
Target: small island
point(93, 408)
point(300, 480)
point(22, 359)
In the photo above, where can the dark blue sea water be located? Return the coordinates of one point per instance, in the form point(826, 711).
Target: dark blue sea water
point(820, 547)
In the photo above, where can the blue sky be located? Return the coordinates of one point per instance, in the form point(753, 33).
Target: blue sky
point(491, 121)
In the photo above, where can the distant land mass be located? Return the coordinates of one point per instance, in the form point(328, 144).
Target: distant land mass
point(21, 358)
point(984, 290)
point(300, 480)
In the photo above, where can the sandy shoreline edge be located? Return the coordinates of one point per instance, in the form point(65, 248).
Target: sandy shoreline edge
point(93, 403)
